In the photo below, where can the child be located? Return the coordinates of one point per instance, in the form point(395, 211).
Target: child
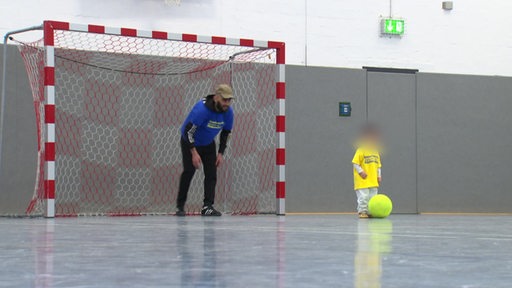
point(367, 168)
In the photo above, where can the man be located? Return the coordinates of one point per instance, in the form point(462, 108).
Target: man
point(208, 117)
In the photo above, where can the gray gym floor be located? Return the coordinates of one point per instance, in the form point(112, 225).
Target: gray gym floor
point(257, 251)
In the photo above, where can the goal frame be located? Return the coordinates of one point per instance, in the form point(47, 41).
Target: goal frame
point(50, 26)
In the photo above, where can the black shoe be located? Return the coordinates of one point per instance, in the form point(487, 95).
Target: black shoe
point(210, 211)
point(180, 212)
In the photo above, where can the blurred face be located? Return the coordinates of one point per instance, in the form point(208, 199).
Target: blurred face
point(222, 104)
point(371, 137)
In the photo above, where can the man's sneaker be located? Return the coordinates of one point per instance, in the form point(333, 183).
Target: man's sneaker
point(180, 212)
point(210, 211)
point(363, 216)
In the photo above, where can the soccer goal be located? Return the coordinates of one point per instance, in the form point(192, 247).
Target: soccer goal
point(109, 104)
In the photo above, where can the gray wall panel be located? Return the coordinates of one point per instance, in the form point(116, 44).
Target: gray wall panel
point(464, 143)
point(17, 176)
point(391, 104)
point(464, 130)
point(319, 143)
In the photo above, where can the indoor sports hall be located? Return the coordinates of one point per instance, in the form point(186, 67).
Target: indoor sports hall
point(342, 143)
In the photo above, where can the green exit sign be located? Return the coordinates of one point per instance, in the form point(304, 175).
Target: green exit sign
point(390, 26)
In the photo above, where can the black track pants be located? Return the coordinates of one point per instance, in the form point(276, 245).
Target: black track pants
point(208, 157)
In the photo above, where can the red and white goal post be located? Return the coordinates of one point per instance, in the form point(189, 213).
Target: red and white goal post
point(109, 105)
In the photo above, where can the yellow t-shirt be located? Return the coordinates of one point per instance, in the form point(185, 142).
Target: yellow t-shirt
point(369, 160)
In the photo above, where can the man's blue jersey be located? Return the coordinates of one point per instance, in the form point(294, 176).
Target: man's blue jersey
point(207, 123)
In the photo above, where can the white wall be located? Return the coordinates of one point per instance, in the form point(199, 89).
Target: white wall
point(474, 38)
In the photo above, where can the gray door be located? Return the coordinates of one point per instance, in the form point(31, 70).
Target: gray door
point(391, 104)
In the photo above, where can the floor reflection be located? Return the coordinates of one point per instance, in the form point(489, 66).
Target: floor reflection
point(184, 255)
point(256, 251)
point(281, 256)
point(373, 241)
point(43, 256)
point(199, 271)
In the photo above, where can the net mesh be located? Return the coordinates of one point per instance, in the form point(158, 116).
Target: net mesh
point(120, 102)
point(33, 57)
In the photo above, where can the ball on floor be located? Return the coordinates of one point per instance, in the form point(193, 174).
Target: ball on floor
point(380, 206)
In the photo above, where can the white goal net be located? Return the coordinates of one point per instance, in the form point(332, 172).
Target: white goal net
point(119, 104)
